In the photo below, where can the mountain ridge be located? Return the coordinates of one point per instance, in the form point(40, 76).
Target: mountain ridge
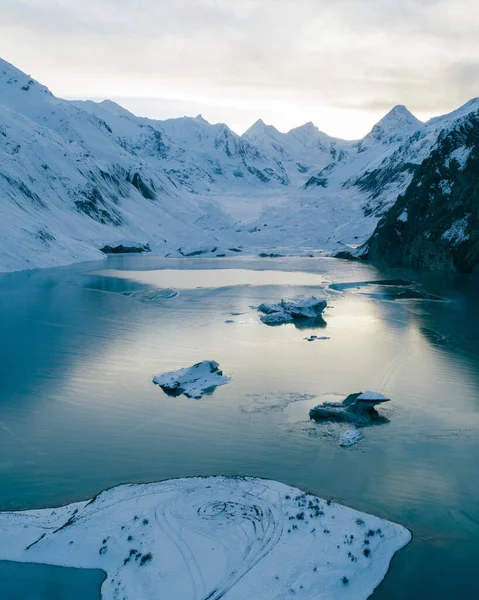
point(76, 176)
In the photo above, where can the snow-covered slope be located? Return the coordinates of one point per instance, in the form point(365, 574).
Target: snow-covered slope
point(69, 184)
point(76, 176)
point(212, 537)
point(196, 155)
point(302, 150)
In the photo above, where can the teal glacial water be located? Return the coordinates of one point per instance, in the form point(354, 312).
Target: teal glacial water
point(79, 413)
point(45, 582)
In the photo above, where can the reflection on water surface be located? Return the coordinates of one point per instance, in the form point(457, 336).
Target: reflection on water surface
point(79, 413)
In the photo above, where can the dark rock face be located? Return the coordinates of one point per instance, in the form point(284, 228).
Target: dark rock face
point(435, 224)
point(141, 186)
point(121, 249)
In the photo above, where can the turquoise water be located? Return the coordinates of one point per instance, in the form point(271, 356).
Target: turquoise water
point(78, 411)
point(44, 582)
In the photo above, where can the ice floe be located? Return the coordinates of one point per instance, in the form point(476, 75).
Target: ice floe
point(287, 312)
point(350, 438)
point(193, 382)
point(356, 408)
point(213, 537)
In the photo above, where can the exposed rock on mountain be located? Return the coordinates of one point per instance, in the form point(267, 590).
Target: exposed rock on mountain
point(435, 223)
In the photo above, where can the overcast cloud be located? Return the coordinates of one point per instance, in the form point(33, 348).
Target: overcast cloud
point(340, 63)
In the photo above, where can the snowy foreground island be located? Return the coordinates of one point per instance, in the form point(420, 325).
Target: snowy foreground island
point(210, 538)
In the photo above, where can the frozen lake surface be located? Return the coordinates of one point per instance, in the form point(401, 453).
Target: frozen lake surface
point(79, 412)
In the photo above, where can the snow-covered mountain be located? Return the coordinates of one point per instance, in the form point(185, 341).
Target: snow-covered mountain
point(301, 151)
point(435, 222)
point(78, 176)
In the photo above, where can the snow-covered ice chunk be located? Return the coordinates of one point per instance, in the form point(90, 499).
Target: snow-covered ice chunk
point(212, 537)
point(194, 381)
point(287, 312)
point(305, 309)
point(350, 438)
point(277, 318)
point(369, 399)
point(373, 396)
point(356, 408)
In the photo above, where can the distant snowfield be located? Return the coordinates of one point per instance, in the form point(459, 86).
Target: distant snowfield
point(210, 538)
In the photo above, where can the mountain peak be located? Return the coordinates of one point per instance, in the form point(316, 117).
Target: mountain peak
point(114, 108)
point(399, 121)
point(307, 127)
point(258, 125)
point(260, 129)
point(16, 80)
point(399, 116)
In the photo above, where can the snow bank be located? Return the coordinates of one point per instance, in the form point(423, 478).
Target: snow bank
point(213, 537)
point(193, 381)
point(287, 312)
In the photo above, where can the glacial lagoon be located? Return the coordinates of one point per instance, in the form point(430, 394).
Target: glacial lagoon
point(79, 412)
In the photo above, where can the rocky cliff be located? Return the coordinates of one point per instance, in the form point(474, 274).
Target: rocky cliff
point(435, 223)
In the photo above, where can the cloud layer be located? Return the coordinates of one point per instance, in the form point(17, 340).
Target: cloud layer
point(342, 56)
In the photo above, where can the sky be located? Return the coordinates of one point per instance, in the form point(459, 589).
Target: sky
point(339, 63)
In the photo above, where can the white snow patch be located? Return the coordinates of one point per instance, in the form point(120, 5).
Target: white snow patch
point(461, 155)
point(445, 187)
point(213, 537)
point(403, 216)
point(193, 381)
point(457, 233)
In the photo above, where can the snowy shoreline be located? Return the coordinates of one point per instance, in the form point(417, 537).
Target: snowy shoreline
point(210, 537)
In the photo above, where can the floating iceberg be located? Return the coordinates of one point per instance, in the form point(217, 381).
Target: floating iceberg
point(210, 537)
point(356, 408)
point(350, 438)
point(194, 381)
point(287, 312)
